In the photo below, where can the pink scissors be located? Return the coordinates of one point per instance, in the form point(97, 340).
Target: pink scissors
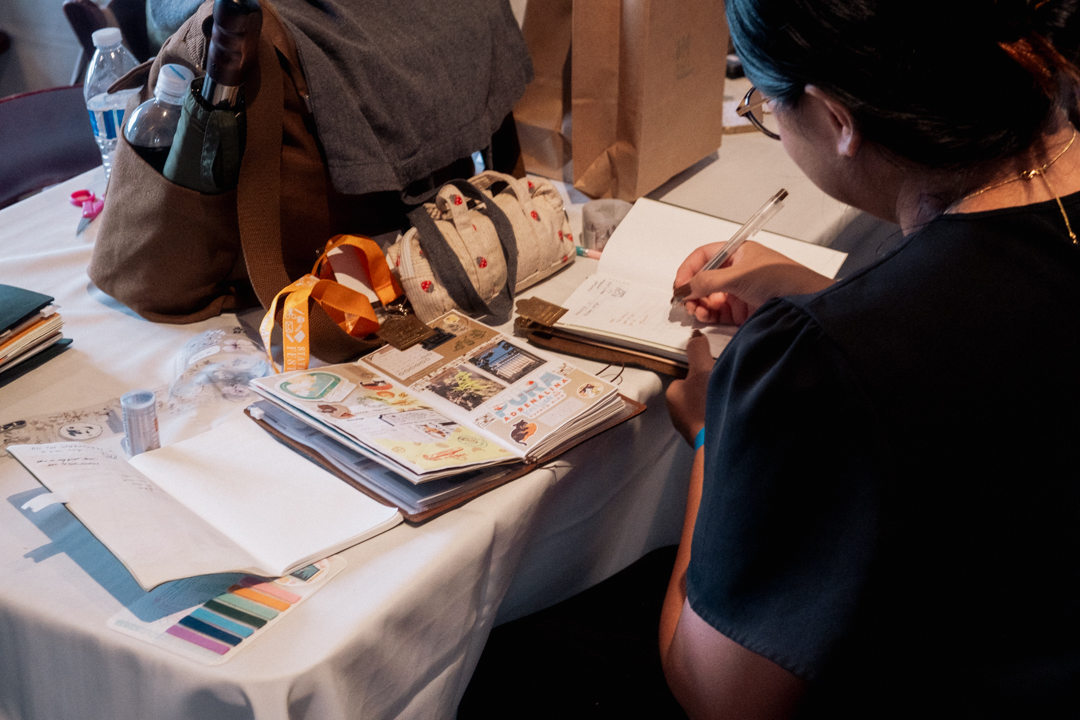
point(91, 207)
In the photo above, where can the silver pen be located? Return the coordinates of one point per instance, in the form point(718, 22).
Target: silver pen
point(747, 231)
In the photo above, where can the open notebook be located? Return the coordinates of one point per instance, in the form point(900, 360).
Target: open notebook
point(466, 398)
point(229, 500)
point(627, 303)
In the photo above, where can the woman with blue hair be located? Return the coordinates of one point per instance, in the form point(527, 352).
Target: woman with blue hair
point(884, 501)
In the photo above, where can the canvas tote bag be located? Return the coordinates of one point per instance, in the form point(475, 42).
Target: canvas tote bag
point(646, 91)
point(176, 255)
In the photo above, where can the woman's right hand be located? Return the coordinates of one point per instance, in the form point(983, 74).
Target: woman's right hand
point(746, 281)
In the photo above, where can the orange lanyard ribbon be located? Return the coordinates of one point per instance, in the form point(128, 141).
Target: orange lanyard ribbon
point(351, 310)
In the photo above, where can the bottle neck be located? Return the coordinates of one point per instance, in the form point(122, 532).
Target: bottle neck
point(168, 98)
point(113, 57)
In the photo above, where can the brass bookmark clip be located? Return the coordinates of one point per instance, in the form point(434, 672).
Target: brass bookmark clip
point(404, 331)
point(540, 311)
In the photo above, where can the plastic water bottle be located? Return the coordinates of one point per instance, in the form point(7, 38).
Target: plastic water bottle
point(152, 125)
point(110, 62)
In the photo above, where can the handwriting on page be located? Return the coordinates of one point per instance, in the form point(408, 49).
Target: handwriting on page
point(613, 303)
point(610, 305)
point(67, 455)
point(75, 460)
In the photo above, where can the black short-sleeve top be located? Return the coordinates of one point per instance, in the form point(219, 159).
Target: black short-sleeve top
point(891, 507)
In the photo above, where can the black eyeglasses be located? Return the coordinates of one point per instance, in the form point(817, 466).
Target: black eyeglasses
point(753, 109)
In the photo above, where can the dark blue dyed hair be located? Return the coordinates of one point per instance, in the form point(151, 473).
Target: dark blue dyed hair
point(937, 82)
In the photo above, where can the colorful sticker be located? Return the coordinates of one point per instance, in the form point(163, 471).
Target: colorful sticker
point(317, 385)
point(589, 390)
point(536, 397)
point(522, 431)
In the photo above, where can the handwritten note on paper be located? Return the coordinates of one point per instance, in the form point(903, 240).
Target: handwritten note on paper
point(618, 305)
point(140, 523)
point(639, 316)
point(607, 302)
point(628, 302)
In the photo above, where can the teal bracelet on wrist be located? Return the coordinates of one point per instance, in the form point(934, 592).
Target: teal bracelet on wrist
point(699, 439)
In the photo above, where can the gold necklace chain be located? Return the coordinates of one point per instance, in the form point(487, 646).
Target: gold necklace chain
point(1029, 175)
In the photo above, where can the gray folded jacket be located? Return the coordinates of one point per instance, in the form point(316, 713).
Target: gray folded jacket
point(403, 87)
point(400, 88)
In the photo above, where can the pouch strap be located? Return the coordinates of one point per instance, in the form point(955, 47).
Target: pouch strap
point(371, 259)
point(258, 195)
point(349, 309)
point(518, 186)
point(448, 267)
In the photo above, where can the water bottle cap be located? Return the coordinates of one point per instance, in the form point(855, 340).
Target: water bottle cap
point(106, 37)
point(173, 82)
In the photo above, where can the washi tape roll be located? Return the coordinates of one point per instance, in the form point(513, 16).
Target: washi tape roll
point(140, 422)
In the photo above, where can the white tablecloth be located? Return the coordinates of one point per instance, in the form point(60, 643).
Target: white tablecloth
point(397, 634)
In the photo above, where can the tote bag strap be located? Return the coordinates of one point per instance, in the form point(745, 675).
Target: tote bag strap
point(448, 267)
point(259, 191)
point(258, 195)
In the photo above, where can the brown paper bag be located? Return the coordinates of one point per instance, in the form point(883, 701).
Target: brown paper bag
point(540, 113)
point(647, 91)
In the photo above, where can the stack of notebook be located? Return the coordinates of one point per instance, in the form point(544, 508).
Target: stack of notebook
point(427, 428)
point(30, 331)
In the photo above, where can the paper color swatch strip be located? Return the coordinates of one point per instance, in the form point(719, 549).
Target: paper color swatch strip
point(209, 619)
